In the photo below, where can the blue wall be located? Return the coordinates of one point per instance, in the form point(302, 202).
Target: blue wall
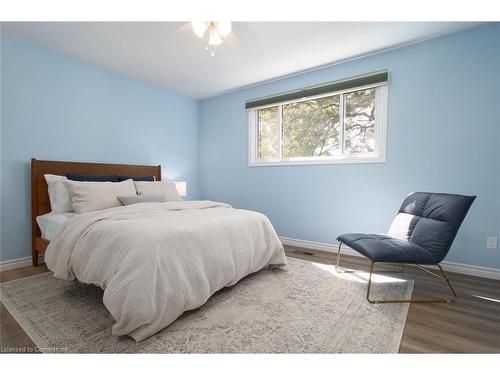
point(57, 108)
point(443, 135)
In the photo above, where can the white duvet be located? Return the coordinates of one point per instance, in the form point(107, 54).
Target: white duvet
point(157, 260)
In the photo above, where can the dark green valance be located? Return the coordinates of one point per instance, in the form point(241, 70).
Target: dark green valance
point(345, 84)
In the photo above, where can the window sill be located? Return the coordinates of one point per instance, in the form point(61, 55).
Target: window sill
point(277, 163)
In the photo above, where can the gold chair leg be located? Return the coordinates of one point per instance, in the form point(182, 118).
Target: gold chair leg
point(455, 297)
point(444, 277)
point(338, 261)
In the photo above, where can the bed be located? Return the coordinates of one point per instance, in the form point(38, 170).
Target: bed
point(154, 261)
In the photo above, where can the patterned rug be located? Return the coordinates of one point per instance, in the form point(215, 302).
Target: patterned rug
point(303, 308)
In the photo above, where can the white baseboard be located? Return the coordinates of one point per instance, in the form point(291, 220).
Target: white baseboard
point(471, 270)
point(18, 263)
point(465, 269)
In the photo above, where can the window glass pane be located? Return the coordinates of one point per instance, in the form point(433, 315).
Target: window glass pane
point(311, 128)
point(269, 142)
point(359, 122)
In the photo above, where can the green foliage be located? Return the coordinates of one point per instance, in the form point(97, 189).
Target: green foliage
point(312, 127)
point(359, 121)
point(269, 133)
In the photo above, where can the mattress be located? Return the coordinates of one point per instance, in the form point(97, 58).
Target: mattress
point(50, 223)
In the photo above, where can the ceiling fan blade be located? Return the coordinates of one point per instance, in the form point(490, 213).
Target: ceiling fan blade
point(231, 40)
point(182, 29)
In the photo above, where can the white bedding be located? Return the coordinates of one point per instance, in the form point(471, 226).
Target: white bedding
point(50, 223)
point(157, 260)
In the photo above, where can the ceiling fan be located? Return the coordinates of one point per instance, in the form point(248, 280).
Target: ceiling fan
point(216, 30)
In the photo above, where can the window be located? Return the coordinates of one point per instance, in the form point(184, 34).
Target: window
point(344, 126)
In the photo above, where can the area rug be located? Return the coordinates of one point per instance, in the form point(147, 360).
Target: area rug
point(303, 308)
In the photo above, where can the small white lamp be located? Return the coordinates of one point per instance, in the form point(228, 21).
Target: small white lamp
point(181, 187)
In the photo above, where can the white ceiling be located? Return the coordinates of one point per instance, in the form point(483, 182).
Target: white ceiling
point(170, 55)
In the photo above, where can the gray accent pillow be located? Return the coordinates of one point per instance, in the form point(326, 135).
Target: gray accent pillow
point(133, 199)
point(167, 189)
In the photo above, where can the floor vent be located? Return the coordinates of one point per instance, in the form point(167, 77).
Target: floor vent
point(304, 252)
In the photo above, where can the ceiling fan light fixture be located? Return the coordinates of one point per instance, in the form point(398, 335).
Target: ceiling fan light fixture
point(216, 31)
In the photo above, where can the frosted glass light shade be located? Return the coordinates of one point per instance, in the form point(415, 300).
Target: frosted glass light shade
point(199, 28)
point(224, 28)
point(215, 38)
point(181, 188)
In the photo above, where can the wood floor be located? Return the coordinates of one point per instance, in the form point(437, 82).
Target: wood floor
point(470, 325)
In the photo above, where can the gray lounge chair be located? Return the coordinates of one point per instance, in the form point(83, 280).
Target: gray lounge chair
point(420, 234)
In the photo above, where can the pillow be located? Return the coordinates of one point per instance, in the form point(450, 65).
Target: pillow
point(92, 196)
point(60, 200)
point(136, 178)
point(94, 178)
point(133, 199)
point(167, 189)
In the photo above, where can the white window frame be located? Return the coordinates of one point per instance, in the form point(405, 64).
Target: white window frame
point(379, 156)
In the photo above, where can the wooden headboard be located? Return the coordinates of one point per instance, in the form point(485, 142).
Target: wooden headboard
point(40, 203)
